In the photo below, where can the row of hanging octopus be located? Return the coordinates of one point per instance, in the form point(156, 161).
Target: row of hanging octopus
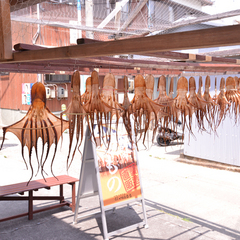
point(102, 111)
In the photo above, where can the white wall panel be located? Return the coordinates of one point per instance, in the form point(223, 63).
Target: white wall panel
point(220, 147)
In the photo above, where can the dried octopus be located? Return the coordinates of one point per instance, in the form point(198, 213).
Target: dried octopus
point(108, 96)
point(197, 104)
point(164, 100)
point(171, 92)
point(143, 108)
point(76, 115)
point(237, 83)
point(39, 122)
point(87, 94)
point(233, 97)
point(149, 80)
point(222, 104)
point(210, 104)
point(99, 113)
point(126, 105)
point(203, 105)
point(181, 106)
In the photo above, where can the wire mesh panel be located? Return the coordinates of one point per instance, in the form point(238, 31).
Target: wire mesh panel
point(59, 22)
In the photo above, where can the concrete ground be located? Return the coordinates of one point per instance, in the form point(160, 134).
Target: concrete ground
point(183, 201)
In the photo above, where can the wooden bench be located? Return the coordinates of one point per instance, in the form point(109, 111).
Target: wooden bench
point(20, 188)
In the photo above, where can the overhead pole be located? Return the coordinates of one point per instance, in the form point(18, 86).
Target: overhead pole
point(5, 31)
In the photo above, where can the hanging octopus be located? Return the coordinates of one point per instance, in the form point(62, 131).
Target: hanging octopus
point(142, 109)
point(210, 104)
point(233, 97)
point(98, 112)
point(86, 96)
point(164, 100)
point(181, 106)
point(203, 105)
point(197, 104)
point(149, 80)
point(108, 96)
point(222, 104)
point(171, 92)
point(39, 122)
point(76, 115)
point(126, 105)
point(237, 83)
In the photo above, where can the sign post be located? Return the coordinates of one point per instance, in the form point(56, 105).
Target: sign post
point(113, 175)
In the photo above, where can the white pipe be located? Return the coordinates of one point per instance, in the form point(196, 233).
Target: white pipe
point(79, 11)
point(35, 37)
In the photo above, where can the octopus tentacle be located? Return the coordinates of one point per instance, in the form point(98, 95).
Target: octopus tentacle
point(30, 152)
point(48, 146)
point(76, 114)
point(209, 107)
point(36, 144)
point(43, 142)
point(22, 137)
point(55, 141)
point(203, 103)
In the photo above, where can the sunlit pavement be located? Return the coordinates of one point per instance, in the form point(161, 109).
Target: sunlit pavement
point(183, 201)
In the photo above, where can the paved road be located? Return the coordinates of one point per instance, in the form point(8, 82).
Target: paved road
point(183, 201)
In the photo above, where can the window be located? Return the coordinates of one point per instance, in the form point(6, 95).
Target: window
point(57, 78)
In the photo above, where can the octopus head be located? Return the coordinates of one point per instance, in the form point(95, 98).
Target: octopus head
point(75, 82)
point(230, 83)
point(222, 84)
point(149, 80)
point(182, 85)
point(162, 84)
point(207, 83)
point(109, 81)
point(140, 86)
point(192, 84)
point(38, 96)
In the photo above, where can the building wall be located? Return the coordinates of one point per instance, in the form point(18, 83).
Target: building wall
point(11, 105)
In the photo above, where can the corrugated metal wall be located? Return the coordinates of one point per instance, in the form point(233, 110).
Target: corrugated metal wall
point(222, 147)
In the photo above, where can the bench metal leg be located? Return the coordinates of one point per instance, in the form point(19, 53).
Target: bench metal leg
point(73, 197)
point(30, 205)
point(61, 193)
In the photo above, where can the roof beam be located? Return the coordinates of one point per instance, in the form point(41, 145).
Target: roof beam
point(5, 31)
point(214, 37)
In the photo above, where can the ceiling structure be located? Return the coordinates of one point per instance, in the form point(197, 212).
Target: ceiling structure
point(154, 54)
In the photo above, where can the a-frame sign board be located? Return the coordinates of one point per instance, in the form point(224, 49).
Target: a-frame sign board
point(116, 185)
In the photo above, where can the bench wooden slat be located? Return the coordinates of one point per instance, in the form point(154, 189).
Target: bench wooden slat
point(36, 184)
